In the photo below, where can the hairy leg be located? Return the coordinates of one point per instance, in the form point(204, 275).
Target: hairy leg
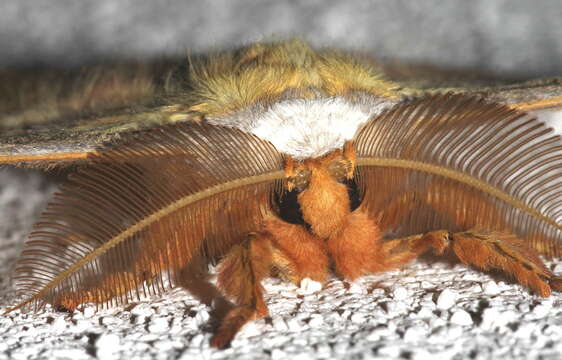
point(505, 252)
point(355, 249)
point(359, 249)
point(196, 279)
point(482, 249)
point(499, 250)
point(298, 254)
point(239, 277)
point(398, 252)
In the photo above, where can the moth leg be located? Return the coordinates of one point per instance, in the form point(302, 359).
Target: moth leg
point(358, 249)
point(398, 252)
point(196, 279)
point(297, 254)
point(482, 249)
point(355, 249)
point(508, 253)
point(239, 277)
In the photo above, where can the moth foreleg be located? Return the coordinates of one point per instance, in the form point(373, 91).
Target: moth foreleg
point(297, 254)
point(239, 277)
point(359, 249)
point(196, 279)
point(355, 249)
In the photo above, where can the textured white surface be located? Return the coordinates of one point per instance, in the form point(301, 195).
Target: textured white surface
point(429, 310)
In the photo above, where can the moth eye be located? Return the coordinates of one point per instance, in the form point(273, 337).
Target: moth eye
point(300, 180)
point(339, 170)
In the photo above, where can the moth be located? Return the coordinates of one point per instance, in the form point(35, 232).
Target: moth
point(277, 159)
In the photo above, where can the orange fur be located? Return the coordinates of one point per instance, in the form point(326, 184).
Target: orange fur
point(354, 242)
point(306, 252)
point(486, 251)
point(240, 275)
point(398, 252)
point(221, 203)
point(231, 324)
point(241, 271)
point(325, 203)
point(354, 249)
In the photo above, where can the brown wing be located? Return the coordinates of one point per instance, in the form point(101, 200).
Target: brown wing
point(459, 162)
point(52, 116)
point(145, 210)
point(535, 95)
point(528, 95)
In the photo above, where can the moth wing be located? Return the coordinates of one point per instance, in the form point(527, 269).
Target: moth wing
point(142, 212)
point(458, 162)
point(532, 96)
point(535, 95)
point(50, 117)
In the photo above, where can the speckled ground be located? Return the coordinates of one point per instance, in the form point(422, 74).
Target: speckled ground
point(426, 311)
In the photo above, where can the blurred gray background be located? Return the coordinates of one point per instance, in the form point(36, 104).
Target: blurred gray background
point(509, 38)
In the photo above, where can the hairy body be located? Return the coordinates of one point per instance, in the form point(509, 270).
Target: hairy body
point(353, 242)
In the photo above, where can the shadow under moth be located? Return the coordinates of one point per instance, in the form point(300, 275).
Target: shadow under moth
point(276, 160)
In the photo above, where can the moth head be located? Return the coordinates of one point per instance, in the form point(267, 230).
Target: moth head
point(338, 165)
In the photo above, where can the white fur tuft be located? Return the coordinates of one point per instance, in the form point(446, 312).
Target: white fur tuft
point(305, 128)
point(310, 128)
